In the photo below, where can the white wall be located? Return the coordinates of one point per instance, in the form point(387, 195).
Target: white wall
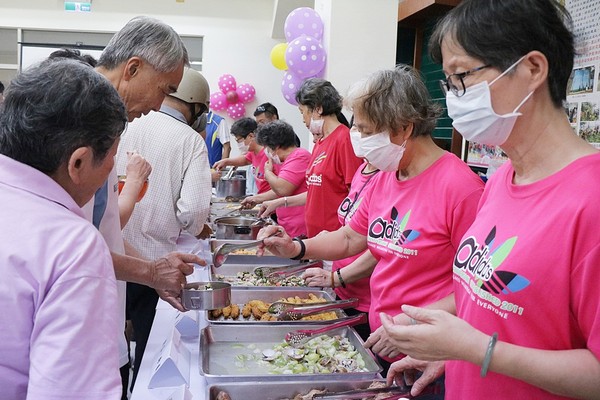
point(237, 37)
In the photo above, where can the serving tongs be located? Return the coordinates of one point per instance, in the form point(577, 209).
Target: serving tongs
point(292, 312)
point(396, 392)
point(222, 252)
point(229, 174)
point(299, 337)
point(275, 274)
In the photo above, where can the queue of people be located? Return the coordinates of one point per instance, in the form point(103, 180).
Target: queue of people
point(488, 289)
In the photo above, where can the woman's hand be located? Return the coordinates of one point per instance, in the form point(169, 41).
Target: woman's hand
point(433, 335)
point(403, 372)
point(277, 242)
point(268, 207)
point(380, 341)
point(268, 166)
point(249, 202)
point(317, 277)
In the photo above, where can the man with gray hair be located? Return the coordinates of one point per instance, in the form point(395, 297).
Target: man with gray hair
point(144, 61)
point(178, 198)
point(59, 132)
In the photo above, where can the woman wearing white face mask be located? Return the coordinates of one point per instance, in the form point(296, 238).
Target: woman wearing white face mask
point(415, 210)
point(527, 306)
point(333, 162)
point(279, 141)
point(252, 153)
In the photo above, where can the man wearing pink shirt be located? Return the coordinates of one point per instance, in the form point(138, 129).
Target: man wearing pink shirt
point(59, 131)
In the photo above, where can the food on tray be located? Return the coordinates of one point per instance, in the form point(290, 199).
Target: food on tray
point(244, 252)
point(223, 395)
point(257, 310)
point(249, 278)
point(205, 287)
point(321, 355)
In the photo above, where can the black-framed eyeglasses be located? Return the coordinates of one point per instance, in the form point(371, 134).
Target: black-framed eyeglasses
point(454, 82)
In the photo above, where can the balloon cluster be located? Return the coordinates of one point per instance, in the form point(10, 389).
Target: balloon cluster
point(303, 56)
point(232, 97)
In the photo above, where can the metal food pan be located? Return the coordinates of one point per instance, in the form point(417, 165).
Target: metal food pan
point(240, 296)
point(228, 273)
point(260, 390)
point(222, 345)
point(247, 259)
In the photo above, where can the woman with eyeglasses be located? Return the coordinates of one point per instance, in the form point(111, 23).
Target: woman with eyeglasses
point(414, 211)
point(526, 273)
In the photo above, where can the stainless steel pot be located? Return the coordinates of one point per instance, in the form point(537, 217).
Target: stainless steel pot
point(234, 187)
point(206, 295)
point(237, 228)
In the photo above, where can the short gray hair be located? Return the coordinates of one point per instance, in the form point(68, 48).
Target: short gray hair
point(391, 99)
point(150, 39)
point(55, 107)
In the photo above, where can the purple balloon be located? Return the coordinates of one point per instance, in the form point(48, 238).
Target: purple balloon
point(305, 56)
point(303, 21)
point(290, 86)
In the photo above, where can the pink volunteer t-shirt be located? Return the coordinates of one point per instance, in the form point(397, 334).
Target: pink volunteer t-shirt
point(258, 169)
point(293, 170)
point(528, 268)
point(413, 228)
point(359, 289)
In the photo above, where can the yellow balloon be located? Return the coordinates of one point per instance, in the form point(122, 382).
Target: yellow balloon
point(278, 56)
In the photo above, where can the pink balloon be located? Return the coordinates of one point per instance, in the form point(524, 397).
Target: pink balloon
point(246, 92)
point(303, 21)
point(290, 86)
point(218, 101)
point(232, 97)
point(236, 111)
point(227, 83)
point(305, 56)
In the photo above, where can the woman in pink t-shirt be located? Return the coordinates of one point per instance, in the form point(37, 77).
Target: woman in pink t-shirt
point(526, 273)
point(279, 141)
point(414, 211)
point(252, 153)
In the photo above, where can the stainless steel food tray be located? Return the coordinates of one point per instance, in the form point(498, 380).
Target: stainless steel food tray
point(249, 260)
point(240, 296)
point(259, 390)
point(221, 346)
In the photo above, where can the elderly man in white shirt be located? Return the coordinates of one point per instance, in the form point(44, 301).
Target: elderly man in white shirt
point(179, 190)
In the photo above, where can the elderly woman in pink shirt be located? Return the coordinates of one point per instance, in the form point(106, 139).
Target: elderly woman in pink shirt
point(279, 141)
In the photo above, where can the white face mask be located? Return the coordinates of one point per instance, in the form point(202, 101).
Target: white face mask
point(381, 152)
point(355, 137)
point(243, 147)
point(316, 126)
point(273, 157)
point(475, 119)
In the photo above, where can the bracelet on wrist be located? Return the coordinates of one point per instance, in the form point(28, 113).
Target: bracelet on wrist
point(339, 274)
point(302, 249)
point(332, 282)
point(285, 203)
point(488, 354)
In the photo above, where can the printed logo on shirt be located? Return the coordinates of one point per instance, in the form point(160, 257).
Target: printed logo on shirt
point(476, 265)
point(314, 180)
point(348, 208)
point(392, 233)
point(320, 158)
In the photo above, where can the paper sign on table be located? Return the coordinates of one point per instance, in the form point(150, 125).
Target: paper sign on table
point(172, 368)
point(182, 393)
point(187, 324)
